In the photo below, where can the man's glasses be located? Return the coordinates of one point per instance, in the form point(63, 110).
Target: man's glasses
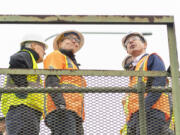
point(134, 38)
point(73, 38)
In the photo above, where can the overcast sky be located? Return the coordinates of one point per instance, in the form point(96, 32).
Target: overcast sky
point(99, 51)
point(87, 7)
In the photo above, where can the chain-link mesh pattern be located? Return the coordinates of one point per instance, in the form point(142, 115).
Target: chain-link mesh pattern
point(104, 111)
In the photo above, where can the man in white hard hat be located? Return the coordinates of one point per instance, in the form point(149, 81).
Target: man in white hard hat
point(23, 110)
point(65, 111)
point(157, 105)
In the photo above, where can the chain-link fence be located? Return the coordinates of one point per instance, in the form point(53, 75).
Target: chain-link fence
point(87, 102)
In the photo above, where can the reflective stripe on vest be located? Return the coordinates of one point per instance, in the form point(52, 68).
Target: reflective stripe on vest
point(133, 83)
point(123, 131)
point(132, 101)
point(172, 123)
point(34, 100)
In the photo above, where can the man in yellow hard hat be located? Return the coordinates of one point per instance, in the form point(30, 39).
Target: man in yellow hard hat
point(157, 105)
point(65, 111)
point(23, 110)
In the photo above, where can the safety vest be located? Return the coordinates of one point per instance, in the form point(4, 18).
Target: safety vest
point(33, 100)
point(123, 130)
point(131, 104)
point(172, 122)
point(74, 101)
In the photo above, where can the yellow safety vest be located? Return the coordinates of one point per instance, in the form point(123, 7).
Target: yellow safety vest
point(172, 123)
point(33, 100)
point(123, 131)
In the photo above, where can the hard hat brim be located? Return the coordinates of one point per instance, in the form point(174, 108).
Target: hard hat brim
point(24, 42)
point(132, 34)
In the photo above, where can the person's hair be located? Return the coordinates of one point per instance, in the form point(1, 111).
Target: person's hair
point(28, 44)
point(142, 39)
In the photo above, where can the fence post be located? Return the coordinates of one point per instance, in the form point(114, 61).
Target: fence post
point(142, 113)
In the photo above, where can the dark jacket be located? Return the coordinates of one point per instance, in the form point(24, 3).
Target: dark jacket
point(155, 63)
point(22, 60)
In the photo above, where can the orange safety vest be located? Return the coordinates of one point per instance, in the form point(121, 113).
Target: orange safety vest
point(131, 103)
point(74, 101)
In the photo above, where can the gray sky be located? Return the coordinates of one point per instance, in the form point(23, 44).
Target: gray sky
point(87, 7)
point(100, 51)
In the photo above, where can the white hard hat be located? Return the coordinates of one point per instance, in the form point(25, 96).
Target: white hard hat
point(33, 38)
point(132, 34)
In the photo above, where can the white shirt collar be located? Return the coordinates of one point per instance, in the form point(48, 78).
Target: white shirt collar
point(136, 60)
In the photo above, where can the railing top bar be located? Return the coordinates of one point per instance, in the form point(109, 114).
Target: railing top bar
point(86, 19)
point(83, 90)
point(83, 72)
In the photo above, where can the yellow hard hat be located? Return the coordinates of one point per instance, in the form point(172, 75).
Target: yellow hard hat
point(132, 34)
point(33, 38)
point(64, 34)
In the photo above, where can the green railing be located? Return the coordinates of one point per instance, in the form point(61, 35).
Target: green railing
point(140, 89)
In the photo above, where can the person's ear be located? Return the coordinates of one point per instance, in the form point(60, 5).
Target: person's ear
point(145, 45)
point(33, 46)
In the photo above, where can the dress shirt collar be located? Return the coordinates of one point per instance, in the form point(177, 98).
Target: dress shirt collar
point(136, 60)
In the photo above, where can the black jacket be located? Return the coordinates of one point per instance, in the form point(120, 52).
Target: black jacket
point(22, 60)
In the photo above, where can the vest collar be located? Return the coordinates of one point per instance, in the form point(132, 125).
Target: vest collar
point(34, 53)
point(67, 53)
point(138, 58)
point(70, 55)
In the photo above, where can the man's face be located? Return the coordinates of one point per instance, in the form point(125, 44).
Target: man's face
point(70, 42)
point(135, 46)
point(40, 49)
